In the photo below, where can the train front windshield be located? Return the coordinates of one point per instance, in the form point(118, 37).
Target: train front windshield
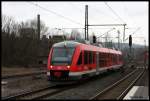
point(62, 55)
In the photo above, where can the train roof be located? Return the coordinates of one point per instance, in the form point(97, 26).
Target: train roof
point(86, 47)
point(66, 43)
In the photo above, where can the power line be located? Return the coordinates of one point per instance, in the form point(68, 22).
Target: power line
point(133, 32)
point(56, 13)
point(82, 28)
point(77, 7)
point(133, 22)
point(114, 12)
point(104, 14)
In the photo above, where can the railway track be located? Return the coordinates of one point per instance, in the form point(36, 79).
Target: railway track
point(27, 93)
point(119, 89)
point(40, 93)
point(51, 92)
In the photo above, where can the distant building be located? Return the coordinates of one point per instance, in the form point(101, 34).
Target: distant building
point(57, 38)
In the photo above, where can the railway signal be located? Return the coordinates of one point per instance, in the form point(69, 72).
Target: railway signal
point(130, 40)
point(94, 39)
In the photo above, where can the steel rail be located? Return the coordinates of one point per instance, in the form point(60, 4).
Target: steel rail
point(113, 85)
point(26, 93)
point(46, 91)
point(130, 86)
point(51, 93)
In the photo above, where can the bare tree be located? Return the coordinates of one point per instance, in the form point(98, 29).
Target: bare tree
point(24, 45)
point(75, 34)
point(33, 24)
point(8, 24)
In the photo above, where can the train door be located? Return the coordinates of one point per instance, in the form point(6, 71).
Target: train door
point(97, 63)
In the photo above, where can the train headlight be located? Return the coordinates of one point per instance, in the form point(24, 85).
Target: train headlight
point(51, 66)
point(68, 67)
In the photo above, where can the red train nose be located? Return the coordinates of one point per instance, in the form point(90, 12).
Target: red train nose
point(57, 74)
point(60, 67)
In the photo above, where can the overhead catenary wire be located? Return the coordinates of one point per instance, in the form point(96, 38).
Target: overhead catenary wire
point(134, 32)
point(77, 8)
point(126, 9)
point(114, 12)
point(99, 12)
point(62, 15)
point(133, 22)
point(56, 14)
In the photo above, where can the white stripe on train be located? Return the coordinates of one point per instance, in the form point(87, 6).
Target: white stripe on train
point(93, 70)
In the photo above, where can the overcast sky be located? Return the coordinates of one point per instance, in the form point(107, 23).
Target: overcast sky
point(134, 14)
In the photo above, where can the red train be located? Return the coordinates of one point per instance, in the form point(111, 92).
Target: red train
point(71, 60)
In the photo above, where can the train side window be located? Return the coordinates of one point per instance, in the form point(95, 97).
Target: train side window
point(92, 53)
point(85, 57)
point(105, 59)
point(116, 58)
point(80, 59)
point(90, 57)
point(101, 59)
point(93, 57)
point(120, 59)
point(109, 57)
point(113, 59)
